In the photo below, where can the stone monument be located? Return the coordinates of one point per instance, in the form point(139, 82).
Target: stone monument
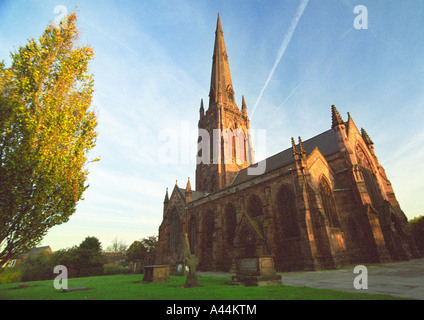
point(257, 271)
point(191, 262)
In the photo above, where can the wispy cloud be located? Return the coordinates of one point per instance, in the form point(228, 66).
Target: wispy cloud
point(282, 49)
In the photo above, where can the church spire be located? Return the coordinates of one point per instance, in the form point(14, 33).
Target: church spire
point(202, 109)
point(243, 106)
point(188, 191)
point(220, 161)
point(335, 117)
point(294, 149)
point(188, 186)
point(221, 89)
point(301, 147)
point(366, 137)
point(218, 25)
point(166, 200)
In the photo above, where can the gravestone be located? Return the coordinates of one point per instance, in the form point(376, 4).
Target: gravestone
point(191, 262)
point(258, 271)
point(156, 273)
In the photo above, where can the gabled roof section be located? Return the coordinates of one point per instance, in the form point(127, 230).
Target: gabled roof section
point(326, 142)
point(194, 194)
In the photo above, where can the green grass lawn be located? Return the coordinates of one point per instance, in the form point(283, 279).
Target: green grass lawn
point(129, 287)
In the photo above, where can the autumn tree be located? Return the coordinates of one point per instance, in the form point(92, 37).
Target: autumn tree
point(150, 243)
point(136, 252)
point(140, 250)
point(47, 127)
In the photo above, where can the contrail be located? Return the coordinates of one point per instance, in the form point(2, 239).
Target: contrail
point(282, 49)
point(288, 97)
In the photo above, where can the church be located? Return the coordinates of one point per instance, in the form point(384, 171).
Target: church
point(324, 203)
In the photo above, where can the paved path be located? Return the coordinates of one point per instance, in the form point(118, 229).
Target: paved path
point(402, 279)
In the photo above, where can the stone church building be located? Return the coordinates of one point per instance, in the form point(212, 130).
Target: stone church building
point(323, 203)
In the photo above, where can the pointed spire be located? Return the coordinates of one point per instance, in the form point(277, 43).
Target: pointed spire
point(221, 88)
point(202, 109)
point(218, 25)
point(335, 117)
point(349, 120)
point(188, 187)
point(166, 197)
point(294, 149)
point(366, 137)
point(301, 148)
point(188, 191)
point(243, 105)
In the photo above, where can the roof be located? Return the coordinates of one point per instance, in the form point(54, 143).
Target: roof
point(38, 250)
point(194, 194)
point(326, 142)
point(33, 252)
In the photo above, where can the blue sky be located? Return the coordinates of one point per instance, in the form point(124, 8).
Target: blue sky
point(152, 66)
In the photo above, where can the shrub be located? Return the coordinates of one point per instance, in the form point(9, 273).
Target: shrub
point(109, 270)
point(10, 275)
point(417, 229)
point(38, 267)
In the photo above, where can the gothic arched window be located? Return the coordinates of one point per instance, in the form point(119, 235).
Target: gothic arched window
point(287, 214)
point(254, 207)
point(362, 158)
point(214, 184)
point(369, 177)
point(372, 187)
point(230, 93)
point(208, 229)
point(230, 222)
point(328, 203)
point(205, 185)
point(192, 233)
point(234, 147)
point(174, 231)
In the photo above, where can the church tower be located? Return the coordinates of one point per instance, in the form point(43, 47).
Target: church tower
point(224, 145)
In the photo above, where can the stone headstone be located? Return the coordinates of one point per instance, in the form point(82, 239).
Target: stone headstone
point(192, 264)
point(257, 271)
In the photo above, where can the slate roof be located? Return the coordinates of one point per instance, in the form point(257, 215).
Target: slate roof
point(33, 252)
point(194, 194)
point(326, 142)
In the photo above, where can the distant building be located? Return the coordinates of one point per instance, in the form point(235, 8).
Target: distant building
point(323, 203)
point(18, 259)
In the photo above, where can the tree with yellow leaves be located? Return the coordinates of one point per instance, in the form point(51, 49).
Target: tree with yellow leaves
point(47, 127)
